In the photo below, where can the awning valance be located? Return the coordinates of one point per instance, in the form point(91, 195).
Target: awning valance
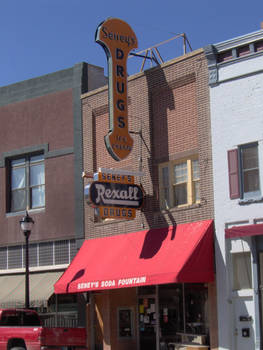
point(244, 230)
point(12, 291)
point(176, 254)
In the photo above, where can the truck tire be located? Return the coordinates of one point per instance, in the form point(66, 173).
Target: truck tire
point(17, 348)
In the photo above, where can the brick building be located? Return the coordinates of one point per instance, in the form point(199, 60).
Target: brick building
point(40, 170)
point(168, 108)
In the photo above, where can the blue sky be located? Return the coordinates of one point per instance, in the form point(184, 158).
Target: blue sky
point(43, 36)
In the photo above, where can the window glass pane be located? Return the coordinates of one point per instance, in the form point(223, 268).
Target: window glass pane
point(171, 305)
point(27, 174)
point(180, 173)
point(180, 194)
point(33, 254)
point(18, 178)
point(250, 157)
point(197, 191)
point(166, 197)
point(37, 175)
point(18, 200)
point(36, 158)
point(37, 196)
point(73, 249)
point(251, 181)
point(241, 271)
point(16, 162)
point(250, 171)
point(196, 171)
point(165, 176)
point(46, 254)
point(3, 258)
point(14, 257)
point(196, 308)
point(165, 187)
point(61, 252)
point(147, 290)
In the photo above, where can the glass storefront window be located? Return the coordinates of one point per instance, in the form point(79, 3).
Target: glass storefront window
point(147, 322)
point(171, 311)
point(147, 290)
point(183, 309)
point(196, 309)
point(178, 311)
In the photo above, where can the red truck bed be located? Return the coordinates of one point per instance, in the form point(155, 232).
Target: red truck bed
point(21, 328)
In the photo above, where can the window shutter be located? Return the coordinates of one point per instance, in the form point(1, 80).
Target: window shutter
point(233, 173)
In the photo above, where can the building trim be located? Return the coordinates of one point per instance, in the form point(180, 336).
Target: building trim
point(36, 148)
point(79, 86)
point(36, 87)
point(239, 41)
point(212, 52)
point(21, 151)
point(59, 152)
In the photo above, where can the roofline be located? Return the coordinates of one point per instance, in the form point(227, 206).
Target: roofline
point(239, 40)
point(140, 74)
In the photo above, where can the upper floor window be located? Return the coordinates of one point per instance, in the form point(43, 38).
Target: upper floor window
point(27, 183)
point(244, 172)
point(179, 183)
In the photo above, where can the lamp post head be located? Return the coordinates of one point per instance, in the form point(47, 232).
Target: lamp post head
point(26, 224)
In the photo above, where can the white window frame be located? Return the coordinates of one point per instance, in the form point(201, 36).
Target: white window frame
point(248, 194)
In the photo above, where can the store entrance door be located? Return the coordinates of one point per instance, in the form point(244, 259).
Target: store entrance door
point(148, 322)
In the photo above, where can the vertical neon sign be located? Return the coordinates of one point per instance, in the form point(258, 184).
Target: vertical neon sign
point(117, 39)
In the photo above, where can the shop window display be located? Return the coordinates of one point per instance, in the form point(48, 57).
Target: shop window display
point(196, 309)
point(177, 311)
point(171, 312)
point(147, 322)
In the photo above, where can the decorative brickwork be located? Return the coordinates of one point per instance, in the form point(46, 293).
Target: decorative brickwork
point(168, 119)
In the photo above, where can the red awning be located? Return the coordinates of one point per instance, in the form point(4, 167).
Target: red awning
point(245, 230)
point(176, 254)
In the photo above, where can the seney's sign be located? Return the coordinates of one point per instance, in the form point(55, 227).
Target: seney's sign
point(118, 39)
point(115, 196)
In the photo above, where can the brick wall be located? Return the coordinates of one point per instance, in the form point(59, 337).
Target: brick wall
point(169, 118)
point(45, 120)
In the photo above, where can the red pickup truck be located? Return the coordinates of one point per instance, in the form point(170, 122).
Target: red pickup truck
point(21, 329)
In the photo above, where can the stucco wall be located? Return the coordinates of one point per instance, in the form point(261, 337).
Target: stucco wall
point(236, 119)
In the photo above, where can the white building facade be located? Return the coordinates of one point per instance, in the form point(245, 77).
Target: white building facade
point(236, 95)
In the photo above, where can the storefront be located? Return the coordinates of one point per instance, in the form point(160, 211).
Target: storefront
point(147, 289)
point(178, 311)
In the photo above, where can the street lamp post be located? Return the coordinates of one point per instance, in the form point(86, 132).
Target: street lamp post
point(26, 224)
